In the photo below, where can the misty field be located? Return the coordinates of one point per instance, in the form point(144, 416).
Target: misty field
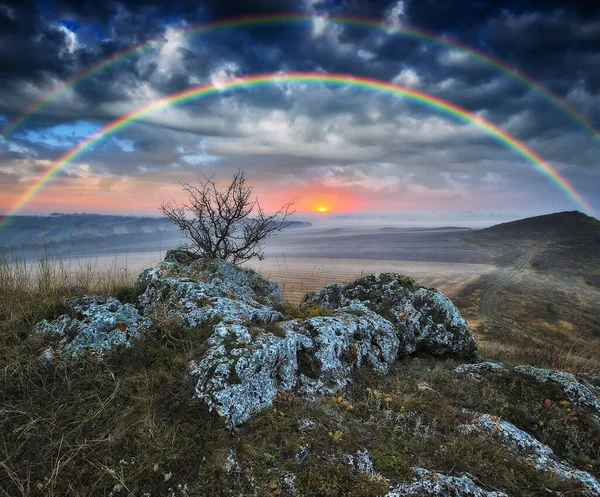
point(304, 259)
point(537, 316)
point(296, 276)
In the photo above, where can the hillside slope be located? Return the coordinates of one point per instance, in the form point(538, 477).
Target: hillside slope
point(565, 242)
point(546, 298)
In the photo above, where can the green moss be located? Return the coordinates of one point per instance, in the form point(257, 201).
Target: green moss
point(270, 458)
point(327, 480)
point(316, 310)
point(289, 310)
point(392, 464)
point(356, 312)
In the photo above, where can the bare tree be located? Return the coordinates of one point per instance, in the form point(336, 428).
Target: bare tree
point(228, 224)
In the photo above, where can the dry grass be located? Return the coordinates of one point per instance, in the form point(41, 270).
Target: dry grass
point(403, 426)
point(30, 289)
point(132, 422)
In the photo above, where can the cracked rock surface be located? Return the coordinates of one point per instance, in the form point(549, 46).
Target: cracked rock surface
point(197, 291)
point(425, 320)
point(92, 326)
point(245, 367)
point(575, 391)
point(529, 450)
point(430, 484)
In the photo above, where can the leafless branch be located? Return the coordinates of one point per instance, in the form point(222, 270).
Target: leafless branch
point(228, 224)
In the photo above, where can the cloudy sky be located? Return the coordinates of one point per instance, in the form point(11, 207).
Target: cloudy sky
point(343, 148)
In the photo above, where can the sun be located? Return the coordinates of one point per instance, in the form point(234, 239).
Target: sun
point(322, 209)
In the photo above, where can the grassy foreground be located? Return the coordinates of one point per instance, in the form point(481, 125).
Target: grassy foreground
point(130, 425)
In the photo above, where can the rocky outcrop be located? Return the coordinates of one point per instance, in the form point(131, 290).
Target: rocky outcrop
point(424, 319)
point(430, 484)
point(245, 367)
point(197, 291)
point(528, 449)
point(92, 326)
point(575, 391)
point(254, 352)
point(472, 371)
point(480, 367)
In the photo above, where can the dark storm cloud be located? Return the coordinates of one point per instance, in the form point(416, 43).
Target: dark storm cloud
point(310, 131)
point(30, 47)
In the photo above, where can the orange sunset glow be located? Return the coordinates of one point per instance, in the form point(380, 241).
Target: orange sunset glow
point(322, 209)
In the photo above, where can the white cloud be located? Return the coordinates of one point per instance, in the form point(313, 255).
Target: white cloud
point(169, 57)
point(330, 34)
point(397, 13)
point(365, 54)
point(407, 77)
point(311, 4)
point(229, 70)
point(70, 37)
point(453, 57)
point(318, 26)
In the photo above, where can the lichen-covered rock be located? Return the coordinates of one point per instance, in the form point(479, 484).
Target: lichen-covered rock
point(93, 326)
point(287, 485)
point(528, 449)
point(356, 336)
point(575, 391)
point(425, 320)
point(195, 303)
point(361, 461)
point(198, 291)
point(221, 278)
point(490, 367)
point(430, 484)
point(592, 381)
point(244, 367)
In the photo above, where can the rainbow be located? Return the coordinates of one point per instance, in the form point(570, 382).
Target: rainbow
point(280, 18)
point(331, 79)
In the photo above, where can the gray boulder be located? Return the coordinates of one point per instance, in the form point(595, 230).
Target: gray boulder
point(472, 371)
point(425, 320)
point(430, 484)
point(253, 354)
point(246, 367)
point(354, 337)
point(198, 291)
point(93, 326)
point(480, 367)
point(574, 390)
point(529, 450)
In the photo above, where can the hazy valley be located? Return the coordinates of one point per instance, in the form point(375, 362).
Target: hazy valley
point(526, 287)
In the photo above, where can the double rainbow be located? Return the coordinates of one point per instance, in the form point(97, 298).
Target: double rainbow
point(331, 79)
point(286, 18)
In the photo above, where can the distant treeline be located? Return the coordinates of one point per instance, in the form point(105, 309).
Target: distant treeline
point(87, 244)
point(69, 234)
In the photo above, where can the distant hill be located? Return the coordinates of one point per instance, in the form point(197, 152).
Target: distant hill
point(572, 227)
point(69, 233)
point(30, 231)
point(564, 243)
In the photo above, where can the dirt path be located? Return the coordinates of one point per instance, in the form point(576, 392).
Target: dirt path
point(487, 300)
